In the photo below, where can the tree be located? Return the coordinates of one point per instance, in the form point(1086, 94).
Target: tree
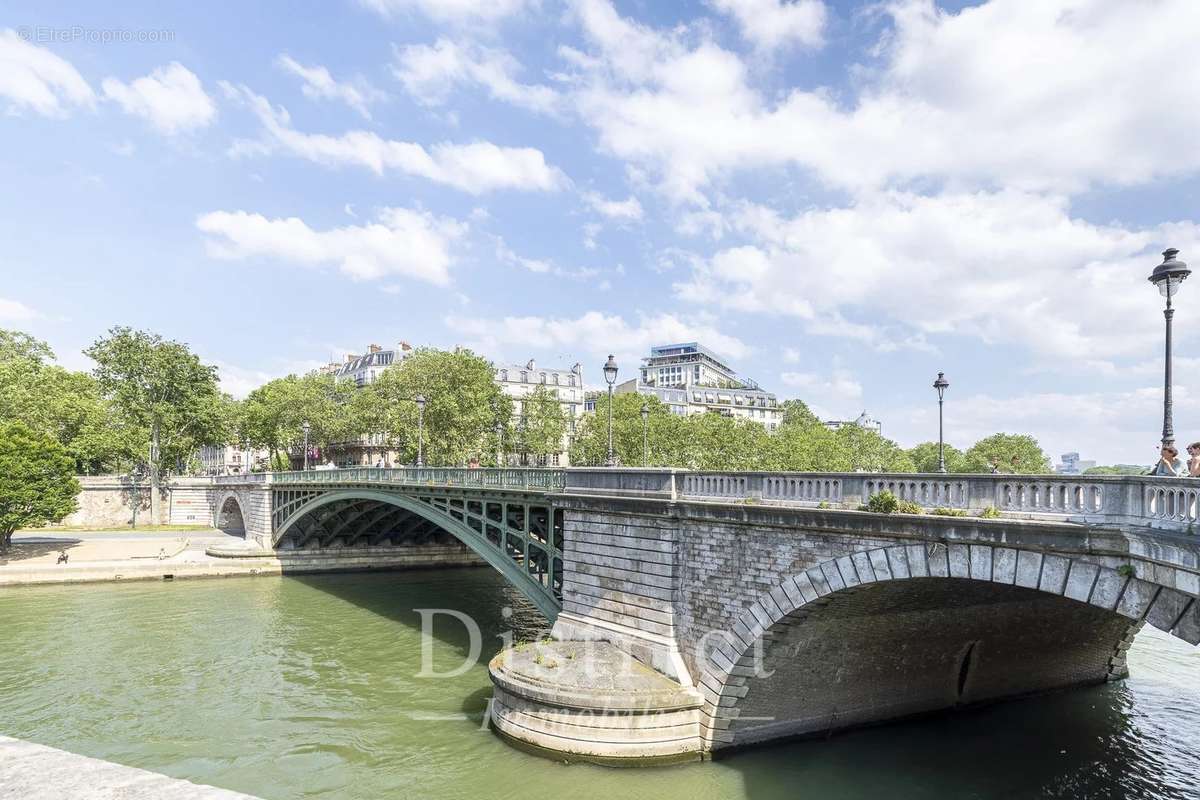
point(543, 423)
point(925, 457)
point(161, 386)
point(1118, 469)
point(861, 449)
point(665, 436)
point(65, 405)
point(462, 405)
point(37, 481)
point(1018, 453)
point(273, 415)
point(796, 412)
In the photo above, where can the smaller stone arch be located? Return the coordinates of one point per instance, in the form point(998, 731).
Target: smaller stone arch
point(230, 517)
point(726, 669)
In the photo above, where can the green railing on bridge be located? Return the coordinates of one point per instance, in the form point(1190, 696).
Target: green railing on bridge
point(543, 479)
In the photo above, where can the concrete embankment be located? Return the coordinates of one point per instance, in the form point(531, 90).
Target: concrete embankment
point(100, 557)
point(35, 772)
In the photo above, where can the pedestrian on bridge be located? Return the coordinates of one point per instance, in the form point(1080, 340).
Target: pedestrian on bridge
point(1193, 462)
point(1170, 464)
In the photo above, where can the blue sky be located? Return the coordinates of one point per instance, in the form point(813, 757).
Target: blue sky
point(843, 197)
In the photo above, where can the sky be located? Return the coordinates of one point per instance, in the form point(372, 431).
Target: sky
point(843, 198)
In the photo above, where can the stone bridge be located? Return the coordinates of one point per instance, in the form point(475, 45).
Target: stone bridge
point(699, 611)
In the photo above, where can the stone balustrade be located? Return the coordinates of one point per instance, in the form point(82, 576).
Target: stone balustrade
point(1167, 503)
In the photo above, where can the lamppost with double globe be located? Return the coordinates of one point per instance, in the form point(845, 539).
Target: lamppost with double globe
point(1168, 277)
point(610, 377)
point(306, 428)
point(941, 384)
point(645, 434)
point(420, 401)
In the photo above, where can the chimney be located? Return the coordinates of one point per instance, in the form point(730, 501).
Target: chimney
point(350, 357)
point(373, 348)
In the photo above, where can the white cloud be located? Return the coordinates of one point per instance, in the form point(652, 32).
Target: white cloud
point(595, 334)
point(401, 242)
point(431, 73)
point(791, 355)
point(460, 12)
point(1007, 267)
point(1109, 426)
point(628, 209)
point(1002, 93)
point(836, 395)
point(32, 77)
point(770, 24)
point(476, 168)
point(319, 84)
point(170, 98)
point(14, 311)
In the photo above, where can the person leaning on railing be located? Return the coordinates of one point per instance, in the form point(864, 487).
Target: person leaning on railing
point(1170, 464)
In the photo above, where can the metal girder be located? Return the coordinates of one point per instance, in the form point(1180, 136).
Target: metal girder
point(528, 560)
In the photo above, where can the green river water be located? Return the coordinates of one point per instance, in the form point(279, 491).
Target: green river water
point(306, 687)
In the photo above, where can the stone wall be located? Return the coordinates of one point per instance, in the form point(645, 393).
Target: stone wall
point(108, 501)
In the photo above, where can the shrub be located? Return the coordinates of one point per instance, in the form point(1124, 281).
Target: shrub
point(908, 507)
point(943, 511)
point(883, 503)
point(824, 504)
point(991, 512)
point(1126, 571)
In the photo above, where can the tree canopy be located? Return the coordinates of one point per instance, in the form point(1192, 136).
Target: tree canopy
point(37, 480)
point(1019, 453)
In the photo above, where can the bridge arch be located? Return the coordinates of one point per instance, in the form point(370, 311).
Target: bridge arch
point(913, 628)
point(230, 515)
point(531, 569)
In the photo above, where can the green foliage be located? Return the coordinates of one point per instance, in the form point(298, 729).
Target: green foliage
point(991, 512)
point(1118, 469)
point(943, 511)
point(463, 404)
point(273, 415)
point(1126, 571)
point(925, 457)
point(66, 405)
point(796, 412)
point(37, 480)
point(543, 423)
point(883, 503)
point(1015, 453)
point(160, 386)
point(908, 507)
point(668, 444)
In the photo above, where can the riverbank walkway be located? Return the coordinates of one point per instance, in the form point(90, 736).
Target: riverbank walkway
point(31, 771)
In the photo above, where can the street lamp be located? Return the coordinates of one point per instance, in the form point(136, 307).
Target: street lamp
point(420, 400)
point(306, 428)
point(610, 376)
point(499, 443)
point(135, 478)
point(645, 439)
point(1168, 276)
point(941, 384)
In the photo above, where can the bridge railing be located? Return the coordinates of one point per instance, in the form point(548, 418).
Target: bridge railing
point(1168, 503)
point(1119, 499)
point(544, 479)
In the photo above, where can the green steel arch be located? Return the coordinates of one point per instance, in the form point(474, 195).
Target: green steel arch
point(541, 593)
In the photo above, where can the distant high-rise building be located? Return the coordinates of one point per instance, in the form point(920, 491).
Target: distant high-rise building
point(692, 379)
point(1072, 464)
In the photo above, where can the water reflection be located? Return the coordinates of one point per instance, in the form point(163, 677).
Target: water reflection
point(306, 688)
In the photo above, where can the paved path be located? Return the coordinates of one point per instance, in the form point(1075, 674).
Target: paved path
point(31, 771)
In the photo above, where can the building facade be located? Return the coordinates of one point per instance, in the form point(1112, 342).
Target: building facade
point(518, 381)
point(369, 449)
point(864, 420)
point(231, 460)
point(689, 378)
point(1072, 464)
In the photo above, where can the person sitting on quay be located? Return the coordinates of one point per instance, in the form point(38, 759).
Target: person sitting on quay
point(1170, 464)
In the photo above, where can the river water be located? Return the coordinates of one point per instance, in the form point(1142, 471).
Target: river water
point(307, 687)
